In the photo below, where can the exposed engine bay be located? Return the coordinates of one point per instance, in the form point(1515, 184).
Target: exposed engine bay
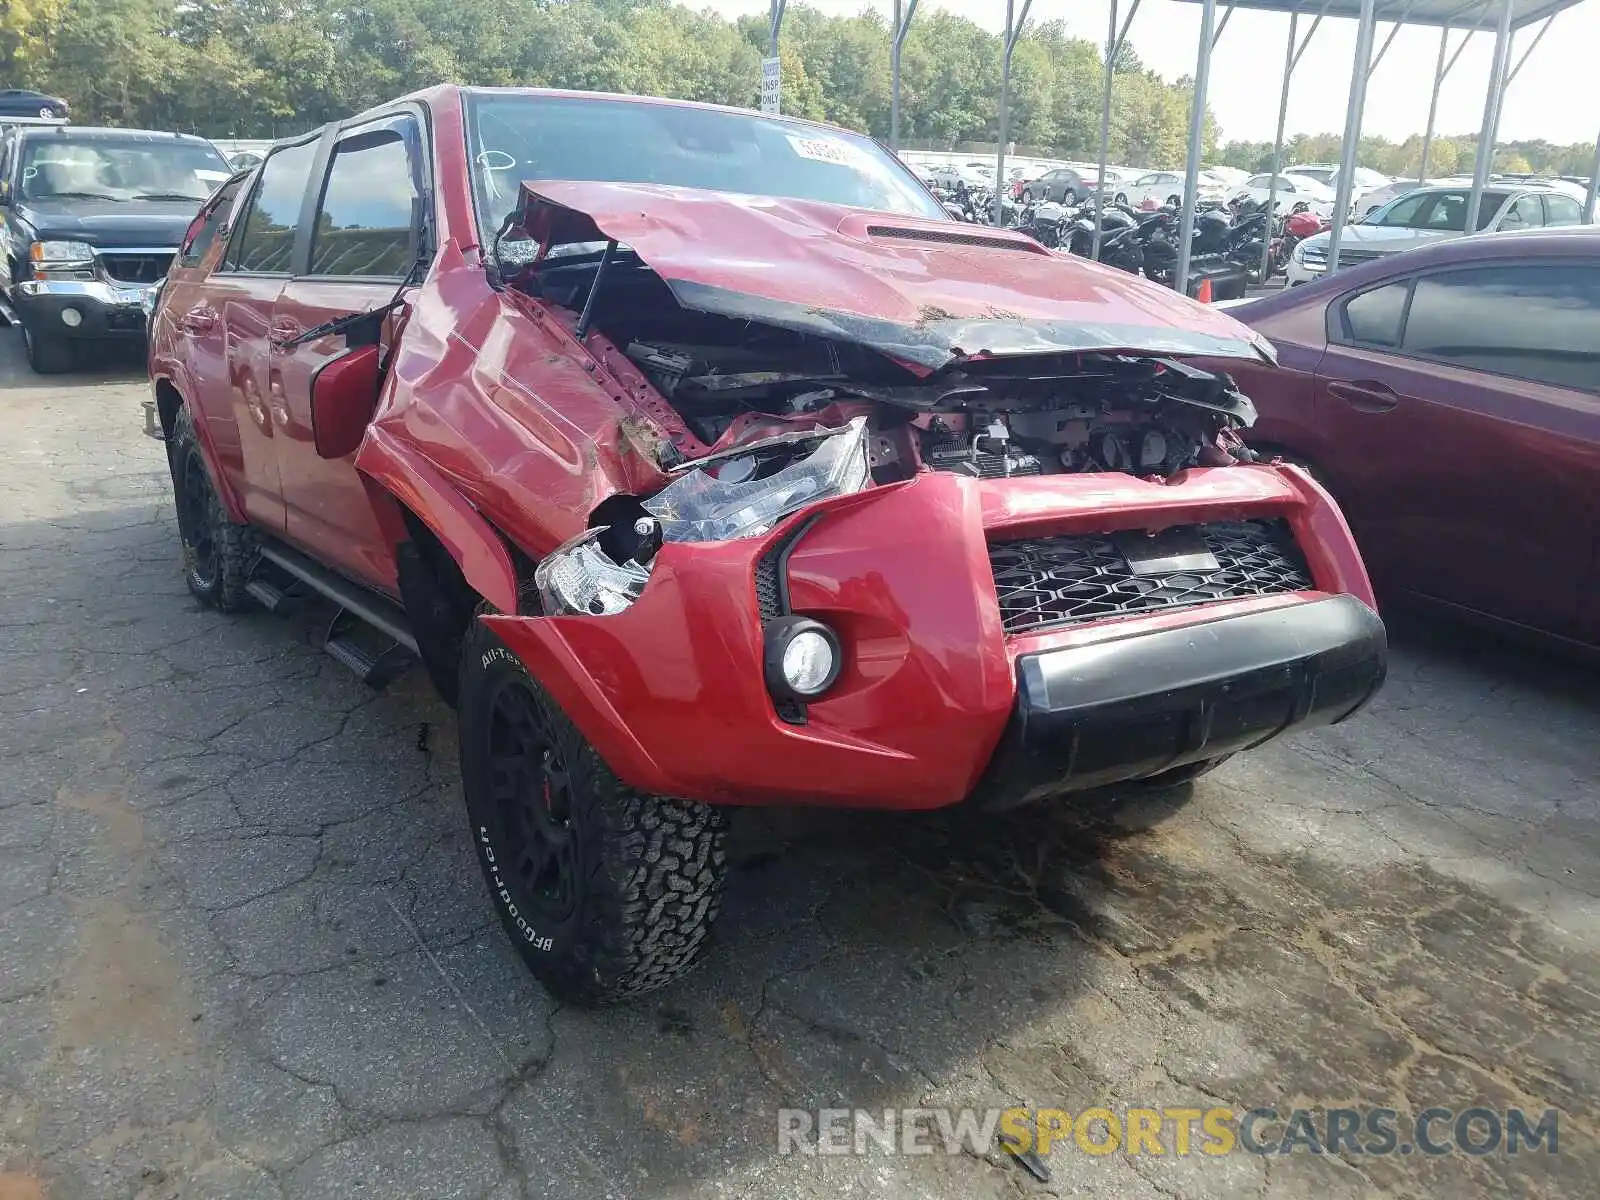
point(990, 417)
point(792, 418)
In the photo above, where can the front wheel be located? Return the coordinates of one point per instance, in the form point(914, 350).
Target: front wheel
point(1121, 199)
point(1027, 195)
point(605, 892)
point(46, 355)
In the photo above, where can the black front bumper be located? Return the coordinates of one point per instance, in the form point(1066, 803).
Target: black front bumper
point(1134, 707)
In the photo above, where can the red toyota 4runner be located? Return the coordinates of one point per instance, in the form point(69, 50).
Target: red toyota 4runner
point(703, 461)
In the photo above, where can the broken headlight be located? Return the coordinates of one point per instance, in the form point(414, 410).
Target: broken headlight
point(580, 577)
point(747, 493)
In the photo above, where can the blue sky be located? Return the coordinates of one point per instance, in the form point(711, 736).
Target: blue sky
point(1552, 98)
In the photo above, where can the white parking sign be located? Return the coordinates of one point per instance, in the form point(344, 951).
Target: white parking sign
point(770, 77)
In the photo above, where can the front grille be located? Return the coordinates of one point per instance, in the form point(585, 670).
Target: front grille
point(1346, 256)
point(1051, 581)
point(135, 268)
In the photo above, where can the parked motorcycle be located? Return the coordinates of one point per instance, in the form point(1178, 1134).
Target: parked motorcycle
point(1046, 222)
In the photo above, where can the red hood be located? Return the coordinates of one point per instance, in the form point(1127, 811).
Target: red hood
point(928, 292)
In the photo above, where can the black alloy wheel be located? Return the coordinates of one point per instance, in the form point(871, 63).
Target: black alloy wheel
point(195, 503)
point(531, 783)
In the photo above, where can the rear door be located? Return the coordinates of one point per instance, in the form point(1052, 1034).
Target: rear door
point(232, 319)
point(1464, 405)
point(367, 229)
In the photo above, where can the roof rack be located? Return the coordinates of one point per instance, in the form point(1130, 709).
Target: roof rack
point(46, 121)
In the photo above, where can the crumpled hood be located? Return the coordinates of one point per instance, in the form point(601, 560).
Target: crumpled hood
point(926, 292)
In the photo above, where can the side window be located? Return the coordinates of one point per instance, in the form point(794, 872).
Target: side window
point(264, 243)
point(1449, 211)
point(1404, 211)
point(1374, 318)
point(1525, 213)
point(1540, 323)
point(203, 233)
point(364, 220)
point(1562, 210)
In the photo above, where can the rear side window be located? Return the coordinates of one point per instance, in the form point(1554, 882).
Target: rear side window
point(1525, 213)
point(364, 221)
point(203, 233)
point(1562, 210)
point(1540, 323)
point(265, 242)
point(1374, 318)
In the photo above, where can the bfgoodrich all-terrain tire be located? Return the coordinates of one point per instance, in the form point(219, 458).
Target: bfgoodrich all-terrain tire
point(217, 553)
point(605, 892)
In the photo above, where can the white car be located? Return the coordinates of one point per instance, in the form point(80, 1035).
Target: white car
point(1434, 214)
point(1292, 190)
point(1327, 174)
point(1370, 202)
point(1232, 176)
point(1150, 191)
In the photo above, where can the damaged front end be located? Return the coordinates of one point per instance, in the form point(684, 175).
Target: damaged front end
point(780, 406)
point(862, 530)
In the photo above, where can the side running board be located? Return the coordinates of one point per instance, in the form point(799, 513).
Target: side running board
point(375, 665)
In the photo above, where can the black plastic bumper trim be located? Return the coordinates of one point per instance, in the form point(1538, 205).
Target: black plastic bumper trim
point(1137, 706)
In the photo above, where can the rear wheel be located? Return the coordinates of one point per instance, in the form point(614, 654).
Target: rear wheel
point(46, 355)
point(606, 893)
point(218, 554)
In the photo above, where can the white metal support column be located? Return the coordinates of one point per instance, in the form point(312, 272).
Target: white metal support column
point(1594, 185)
point(1291, 59)
point(1352, 129)
point(1014, 23)
point(1440, 70)
point(1114, 39)
point(902, 26)
point(1491, 115)
point(1197, 127)
point(1537, 38)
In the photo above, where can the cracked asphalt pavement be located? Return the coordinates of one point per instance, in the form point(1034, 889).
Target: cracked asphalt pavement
point(245, 950)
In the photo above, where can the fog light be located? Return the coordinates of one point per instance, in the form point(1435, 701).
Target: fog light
point(802, 658)
point(71, 317)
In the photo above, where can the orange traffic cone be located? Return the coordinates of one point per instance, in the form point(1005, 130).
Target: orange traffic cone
point(1204, 294)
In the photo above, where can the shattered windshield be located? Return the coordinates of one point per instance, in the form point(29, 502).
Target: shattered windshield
point(513, 137)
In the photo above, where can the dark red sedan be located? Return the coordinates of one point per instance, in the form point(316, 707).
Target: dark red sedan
point(1450, 398)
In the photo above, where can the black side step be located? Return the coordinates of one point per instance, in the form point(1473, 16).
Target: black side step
point(376, 667)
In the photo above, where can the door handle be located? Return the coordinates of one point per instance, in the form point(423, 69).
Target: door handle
point(1365, 395)
point(199, 320)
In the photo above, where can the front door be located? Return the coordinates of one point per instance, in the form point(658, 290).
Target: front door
point(233, 316)
point(366, 233)
point(1463, 405)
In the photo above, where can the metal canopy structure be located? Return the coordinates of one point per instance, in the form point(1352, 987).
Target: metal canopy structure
point(1505, 17)
point(1458, 13)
